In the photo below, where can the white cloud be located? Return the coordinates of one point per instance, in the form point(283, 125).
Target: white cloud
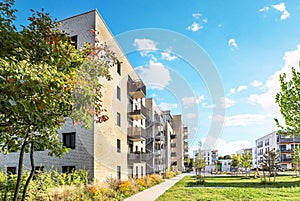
point(264, 9)
point(232, 43)
point(155, 75)
point(232, 91)
point(226, 102)
point(168, 106)
point(145, 45)
point(267, 99)
point(191, 115)
point(195, 27)
point(196, 15)
point(256, 83)
point(282, 8)
point(205, 105)
point(241, 88)
point(205, 20)
point(241, 119)
point(168, 56)
point(230, 147)
point(187, 101)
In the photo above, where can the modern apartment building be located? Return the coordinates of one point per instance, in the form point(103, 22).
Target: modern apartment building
point(252, 152)
point(134, 141)
point(211, 159)
point(284, 145)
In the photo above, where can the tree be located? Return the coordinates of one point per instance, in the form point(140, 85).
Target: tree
point(289, 103)
point(245, 161)
point(296, 159)
point(42, 79)
point(200, 165)
point(271, 163)
point(227, 157)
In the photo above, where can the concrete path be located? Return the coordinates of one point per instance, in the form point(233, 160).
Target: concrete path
point(154, 192)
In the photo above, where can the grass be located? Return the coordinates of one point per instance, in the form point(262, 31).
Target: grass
point(233, 188)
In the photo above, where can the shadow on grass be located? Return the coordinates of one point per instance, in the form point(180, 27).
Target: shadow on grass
point(240, 182)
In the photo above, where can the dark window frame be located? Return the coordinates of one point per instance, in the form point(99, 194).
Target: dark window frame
point(119, 172)
point(68, 141)
point(118, 119)
point(118, 145)
point(118, 93)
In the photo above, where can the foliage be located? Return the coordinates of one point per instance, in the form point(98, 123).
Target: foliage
point(233, 188)
point(42, 79)
point(246, 161)
point(271, 163)
point(296, 159)
point(236, 160)
point(289, 103)
point(170, 174)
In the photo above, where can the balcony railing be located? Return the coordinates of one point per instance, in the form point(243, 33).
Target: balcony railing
point(137, 133)
point(297, 140)
point(137, 157)
point(137, 111)
point(136, 88)
point(286, 150)
point(286, 160)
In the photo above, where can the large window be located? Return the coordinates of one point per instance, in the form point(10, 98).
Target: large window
point(173, 144)
point(118, 146)
point(173, 154)
point(69, 140)
point(74, 41)
point(11, 170)
point(119, 68)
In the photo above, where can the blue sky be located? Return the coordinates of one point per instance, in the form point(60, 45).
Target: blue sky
point(248, 42)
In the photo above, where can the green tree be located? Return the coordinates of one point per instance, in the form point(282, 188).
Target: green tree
point(200, 165)
point(296, 159)
point(289, 103)
point(271, 163)
point(42, 79)
point(245, 161)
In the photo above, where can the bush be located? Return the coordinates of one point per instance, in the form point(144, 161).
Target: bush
point(170, 174)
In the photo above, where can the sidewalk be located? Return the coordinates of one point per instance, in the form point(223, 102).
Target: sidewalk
point(154, 192)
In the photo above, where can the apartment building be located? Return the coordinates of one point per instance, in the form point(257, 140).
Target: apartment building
point(135, 140)
point(252, 152)
point(211, 159)
point(284, 145)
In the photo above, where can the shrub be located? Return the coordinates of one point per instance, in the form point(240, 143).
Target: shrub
point(170, 174)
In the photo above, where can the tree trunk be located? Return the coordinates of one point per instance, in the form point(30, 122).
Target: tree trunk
point(20, 170)
point(31, 172)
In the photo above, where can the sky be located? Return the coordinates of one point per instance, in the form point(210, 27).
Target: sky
point(215, 62)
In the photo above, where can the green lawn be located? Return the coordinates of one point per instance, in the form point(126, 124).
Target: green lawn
point(234, 188)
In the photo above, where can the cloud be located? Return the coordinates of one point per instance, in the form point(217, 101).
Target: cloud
point(191, 115)
point(205, 20)
point(282, 8)
point(264, 9)
point(168, 56)
point(168, 106)
point(230, 147)
point(195, 27)
point(256, 83)
point(241, 119)
point(205, 105)
point(267, 99)
point(242, 88)
point(145, 45)
point(232, 43)
point(155, 75)
point(232, 91)
point(196, 15)
point(188, 101)
point(226, 102)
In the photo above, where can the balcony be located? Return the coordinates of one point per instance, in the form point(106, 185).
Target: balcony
point(286, 160)
point(136, 157)
point(289, 140)
point(136, 88)
point(286, 150)
point(136, 133)
point(137, 111)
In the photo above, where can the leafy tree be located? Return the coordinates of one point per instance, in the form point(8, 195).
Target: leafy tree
point(42, 79)
point(236, 160)
point(227, 157)
point(296, 159)
point(289, 103)
point(200, 165)
point(271, 163)
point(246, 161)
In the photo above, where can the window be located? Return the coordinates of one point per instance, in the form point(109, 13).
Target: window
point(173, 154)
point(142, 171)
point(118, 146)
point(118, 93)
point(39, 169)
point(74, 41)
point(142, 150)
point(118, 119)
point(119, 172)
point(11, 170)
point(119, 68)
point(173, 145)
point(69, 140)
point(137, 171)
point(67, 169)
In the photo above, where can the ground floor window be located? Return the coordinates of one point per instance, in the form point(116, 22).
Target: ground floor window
point(119, 172)
point(67, 169)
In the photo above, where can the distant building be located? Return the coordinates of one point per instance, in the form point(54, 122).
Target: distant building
point(252, 152)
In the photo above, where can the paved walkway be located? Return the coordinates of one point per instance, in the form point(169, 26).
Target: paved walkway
point(154, 192)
